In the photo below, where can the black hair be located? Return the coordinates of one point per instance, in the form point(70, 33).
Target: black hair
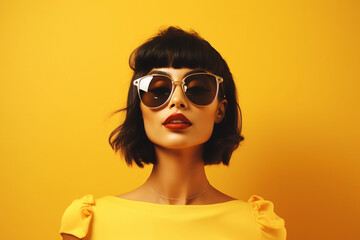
point(176, 48)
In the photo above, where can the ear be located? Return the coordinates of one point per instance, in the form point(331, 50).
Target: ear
point(220, 113)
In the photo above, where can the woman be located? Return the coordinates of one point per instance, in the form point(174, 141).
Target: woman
point(181, 115)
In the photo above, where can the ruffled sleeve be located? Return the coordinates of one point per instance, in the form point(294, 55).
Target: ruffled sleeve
point(271, 225)
point(76, 218)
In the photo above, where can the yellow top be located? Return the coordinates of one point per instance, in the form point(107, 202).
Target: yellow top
point(110, 218)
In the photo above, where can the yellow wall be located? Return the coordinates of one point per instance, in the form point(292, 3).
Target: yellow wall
point(63, 70)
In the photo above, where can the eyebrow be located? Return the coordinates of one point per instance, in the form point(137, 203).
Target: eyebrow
point(167, 74)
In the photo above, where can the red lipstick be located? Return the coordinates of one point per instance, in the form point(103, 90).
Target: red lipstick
point(177, 121)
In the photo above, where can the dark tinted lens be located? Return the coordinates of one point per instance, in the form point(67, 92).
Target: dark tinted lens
point(155, 90)
point(200, 88)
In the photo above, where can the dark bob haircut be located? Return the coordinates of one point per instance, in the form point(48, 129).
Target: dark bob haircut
point(176, 48)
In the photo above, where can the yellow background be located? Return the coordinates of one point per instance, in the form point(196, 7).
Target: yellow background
point(64, 69)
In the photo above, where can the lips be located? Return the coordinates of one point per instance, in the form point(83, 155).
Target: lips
point(177, 121)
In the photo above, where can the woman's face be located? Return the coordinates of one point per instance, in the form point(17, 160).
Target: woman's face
point(173, 134)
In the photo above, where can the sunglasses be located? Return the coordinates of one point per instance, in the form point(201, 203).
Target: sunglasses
point(155, 90)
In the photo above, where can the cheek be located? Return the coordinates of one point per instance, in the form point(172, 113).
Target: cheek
point(206, 123)
point(151, 121)
point(149, 126)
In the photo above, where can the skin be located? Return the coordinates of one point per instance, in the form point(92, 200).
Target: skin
point(180, 172)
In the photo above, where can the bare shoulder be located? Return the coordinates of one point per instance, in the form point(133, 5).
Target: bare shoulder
point(69, 237)
point(132, 195)
point(138, 194)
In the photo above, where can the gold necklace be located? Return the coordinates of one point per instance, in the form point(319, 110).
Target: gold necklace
point(194, 196)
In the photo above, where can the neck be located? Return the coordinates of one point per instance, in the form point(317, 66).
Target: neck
point(179, 174)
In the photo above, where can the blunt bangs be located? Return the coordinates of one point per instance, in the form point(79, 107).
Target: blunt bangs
point(177, 49)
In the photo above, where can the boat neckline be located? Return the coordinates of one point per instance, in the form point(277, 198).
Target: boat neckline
point(135, 202)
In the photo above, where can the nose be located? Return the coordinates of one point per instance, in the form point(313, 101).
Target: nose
point(178, 99)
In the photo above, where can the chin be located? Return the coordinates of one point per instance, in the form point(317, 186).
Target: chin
point(178, 145)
